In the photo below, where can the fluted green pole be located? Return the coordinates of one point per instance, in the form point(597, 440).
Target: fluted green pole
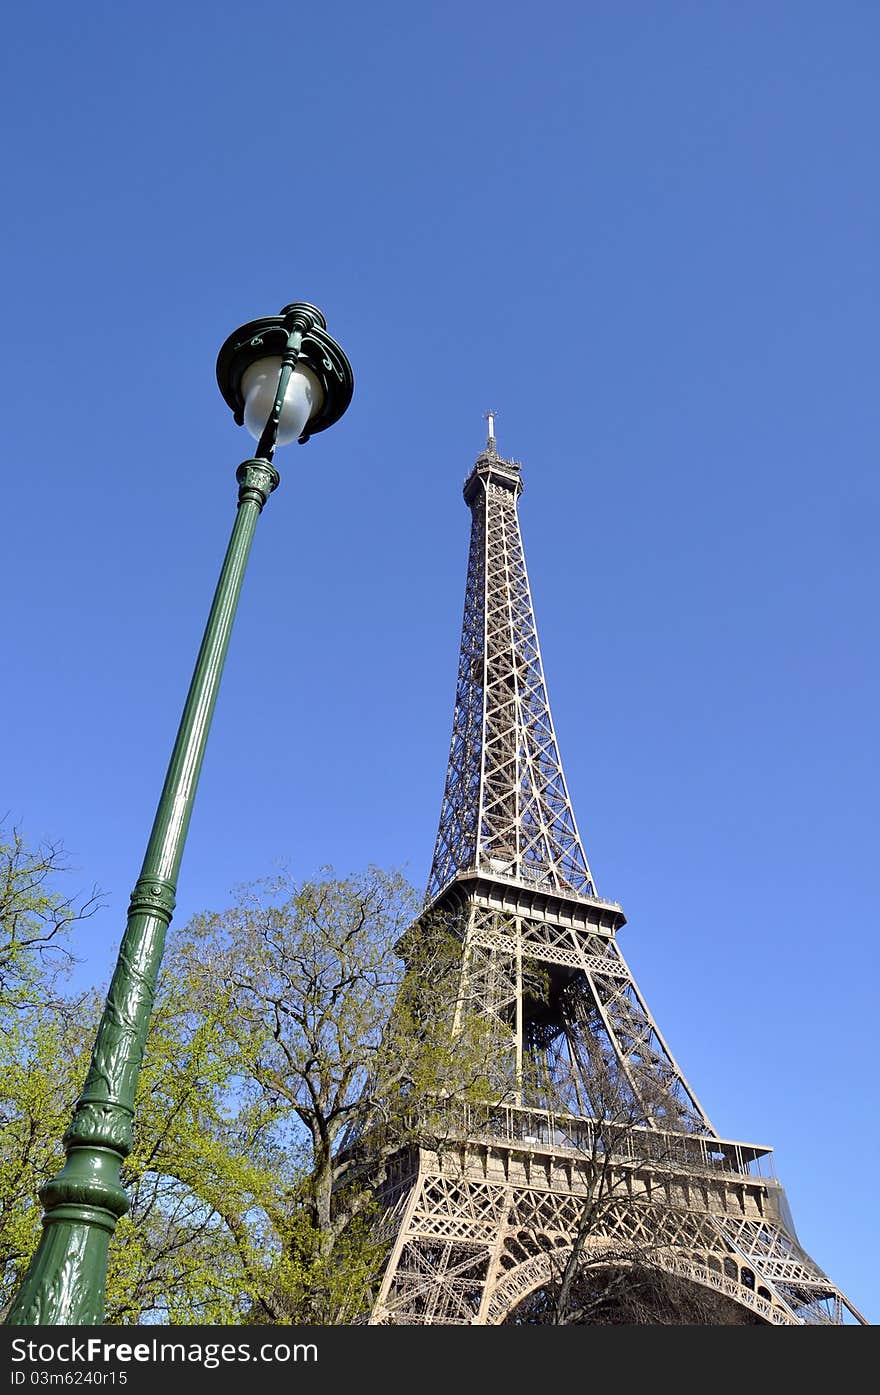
point(66, 1280)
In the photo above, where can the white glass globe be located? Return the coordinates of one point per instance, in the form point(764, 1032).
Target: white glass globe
point(259, 384)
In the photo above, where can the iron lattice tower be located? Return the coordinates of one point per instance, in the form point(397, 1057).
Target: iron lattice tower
point(479, 1225)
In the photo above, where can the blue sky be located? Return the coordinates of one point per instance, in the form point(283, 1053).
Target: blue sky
point(646, 234)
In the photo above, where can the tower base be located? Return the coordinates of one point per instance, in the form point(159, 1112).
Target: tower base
point(480, 1223)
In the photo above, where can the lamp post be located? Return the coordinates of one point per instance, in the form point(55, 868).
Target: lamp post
point(284, 378)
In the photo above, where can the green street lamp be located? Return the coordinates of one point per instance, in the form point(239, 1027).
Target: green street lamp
point(284, 378)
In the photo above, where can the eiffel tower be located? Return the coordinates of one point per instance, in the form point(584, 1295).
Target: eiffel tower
point(481, 1226)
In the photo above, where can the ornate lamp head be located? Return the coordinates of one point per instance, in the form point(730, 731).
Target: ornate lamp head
point(284, 376)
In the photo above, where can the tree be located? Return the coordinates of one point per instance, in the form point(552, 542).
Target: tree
point(170, 1258)
point(42, 1040)
point(344, 1045)
point(295, 1043)
point(35, 921)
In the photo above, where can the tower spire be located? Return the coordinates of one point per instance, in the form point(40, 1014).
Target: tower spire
point(489, 417)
